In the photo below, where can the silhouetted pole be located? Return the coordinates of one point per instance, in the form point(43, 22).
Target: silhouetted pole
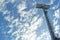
point(45, 9)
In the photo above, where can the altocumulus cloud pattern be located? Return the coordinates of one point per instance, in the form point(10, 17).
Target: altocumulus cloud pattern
point(20, 20)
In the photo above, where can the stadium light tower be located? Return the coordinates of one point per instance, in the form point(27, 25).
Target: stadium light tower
point(45, 9)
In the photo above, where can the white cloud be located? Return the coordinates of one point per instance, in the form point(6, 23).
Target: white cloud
point(52, 1)
point(10, 31)
point(17, 38)
point(56, 27)
point(21, 7)
point(34, 19)
point(57, 34)
point(36, 24)
point(8, 18)
point(6, 12)
point(26, 24)
point(12, 1)
point(44, 36)
point(54, 7)
point(55, 22)
point(30, 36)
point(28, 31)
point(32, 11)
point(16, 32)
point(2, 5)
point(1, 1)
point(57, 14)
point(15, 22)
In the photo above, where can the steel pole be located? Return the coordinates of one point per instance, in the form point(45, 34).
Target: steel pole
point(45, 9)
point(49, 25)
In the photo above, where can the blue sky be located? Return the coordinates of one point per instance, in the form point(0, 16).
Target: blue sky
point(21, 20)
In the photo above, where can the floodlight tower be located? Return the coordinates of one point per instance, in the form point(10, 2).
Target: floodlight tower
point(45, 9)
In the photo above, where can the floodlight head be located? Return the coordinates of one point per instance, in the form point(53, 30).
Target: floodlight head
point(43, 6)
